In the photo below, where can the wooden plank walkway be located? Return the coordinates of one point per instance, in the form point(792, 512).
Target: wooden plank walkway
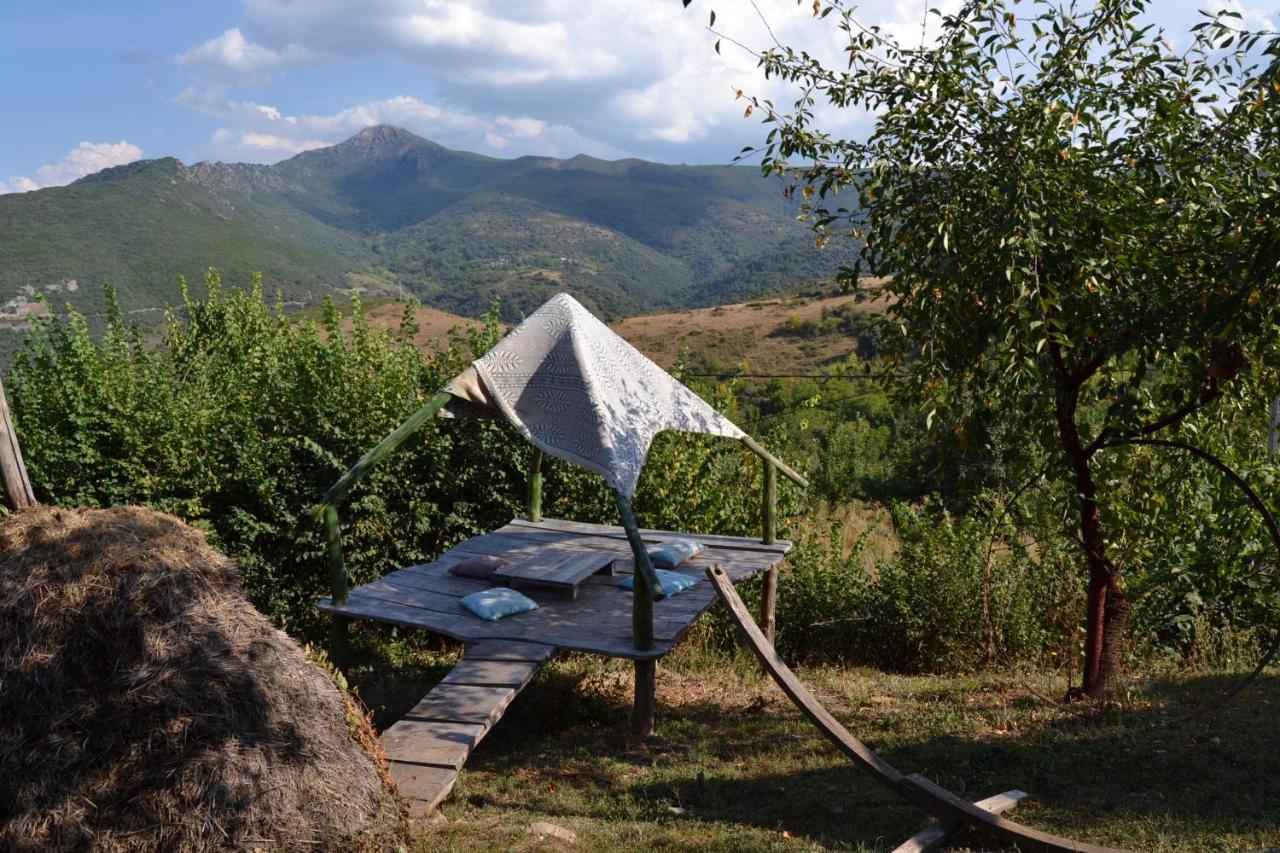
point(426, 749)
point(597, 619)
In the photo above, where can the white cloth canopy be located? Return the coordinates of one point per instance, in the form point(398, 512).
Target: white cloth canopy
point(580, 392)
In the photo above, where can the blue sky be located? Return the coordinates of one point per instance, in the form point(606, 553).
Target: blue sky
point(94, 84)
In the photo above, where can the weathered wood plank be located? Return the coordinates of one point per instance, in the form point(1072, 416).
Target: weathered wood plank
point(935, 836)
point(425, 787)
point(738, 543)
point(492, 673)
point(453, 703)
point(499, 650)
point(439, 744)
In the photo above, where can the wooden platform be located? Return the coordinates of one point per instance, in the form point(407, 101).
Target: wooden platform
point(598, 620)
point(426, 749)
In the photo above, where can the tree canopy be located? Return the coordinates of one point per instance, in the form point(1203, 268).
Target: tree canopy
point(1079, 215)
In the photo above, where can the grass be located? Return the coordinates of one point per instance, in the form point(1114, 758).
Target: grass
point(735, 767)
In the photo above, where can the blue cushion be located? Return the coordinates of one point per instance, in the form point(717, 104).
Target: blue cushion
point(493, 604)
point(672, 582)
point(673, 552)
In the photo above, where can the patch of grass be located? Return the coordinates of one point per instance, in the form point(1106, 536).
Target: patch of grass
point(735, 767)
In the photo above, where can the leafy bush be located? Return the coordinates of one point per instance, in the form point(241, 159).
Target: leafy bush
point(958, 594)
point(242, 417)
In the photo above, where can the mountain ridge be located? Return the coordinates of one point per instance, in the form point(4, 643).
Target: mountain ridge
point(387, 211)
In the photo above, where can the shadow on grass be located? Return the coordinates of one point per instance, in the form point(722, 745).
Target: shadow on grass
point(1143, 775)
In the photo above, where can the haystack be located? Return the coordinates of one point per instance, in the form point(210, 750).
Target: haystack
point(144, 704)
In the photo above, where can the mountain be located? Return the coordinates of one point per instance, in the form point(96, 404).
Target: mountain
point(387, 212)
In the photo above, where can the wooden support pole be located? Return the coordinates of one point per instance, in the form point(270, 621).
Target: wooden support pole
point(769, 521)
point(535, 486)
point(327, 512)
point(645, 589)
point(768, 603)
point(408, 427)
point(339, 644)
point(769, 506)
point(13, 471)
point(642, 712)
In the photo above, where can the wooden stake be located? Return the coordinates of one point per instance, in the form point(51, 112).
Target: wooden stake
point(642, 711)
point(768, 603)
point(769, 507)
point(535, 486)
point(769, 521)
point(13, 471)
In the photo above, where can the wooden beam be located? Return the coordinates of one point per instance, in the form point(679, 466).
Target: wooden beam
point(13, 471)
point(535, 486)
point(787, 470)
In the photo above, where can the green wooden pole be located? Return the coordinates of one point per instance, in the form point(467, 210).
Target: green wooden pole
point(327, 512)
point(339, 647)
point(333, 546)
point(535, 486)
point(383, 448)
point(645, 589)
point(769, 521)
point(769, 508)
point(787, 471)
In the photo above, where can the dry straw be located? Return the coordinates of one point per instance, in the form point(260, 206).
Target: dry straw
point(144, 704)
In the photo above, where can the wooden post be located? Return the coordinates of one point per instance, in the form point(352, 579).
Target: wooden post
point(13, 471)
point(769, 513)
point(769, 506)
point(535, 486)
point(642, 711)
point(645, 590)
point(339, 646)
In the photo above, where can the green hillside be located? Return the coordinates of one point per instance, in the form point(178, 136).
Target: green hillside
point(387, 210)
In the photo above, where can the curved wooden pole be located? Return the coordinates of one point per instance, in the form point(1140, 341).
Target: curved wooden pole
point(938, 801)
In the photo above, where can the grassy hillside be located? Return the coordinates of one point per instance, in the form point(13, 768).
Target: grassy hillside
point(788, 334)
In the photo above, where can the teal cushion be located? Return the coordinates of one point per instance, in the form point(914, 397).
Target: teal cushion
point(673, 552)
point(671, 582)
point(493, 604)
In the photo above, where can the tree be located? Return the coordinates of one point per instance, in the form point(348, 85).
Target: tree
point(1081, 224)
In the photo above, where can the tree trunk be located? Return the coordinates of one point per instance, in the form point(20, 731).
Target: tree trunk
point(1104, 640)
point(1113, 641)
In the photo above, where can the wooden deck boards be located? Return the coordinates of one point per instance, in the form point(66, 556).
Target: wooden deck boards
point(597, 620)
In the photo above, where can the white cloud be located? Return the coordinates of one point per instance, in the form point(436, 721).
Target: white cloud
point(633, 77)
point(18, 185)
point(85, 159)
point(232, 53)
